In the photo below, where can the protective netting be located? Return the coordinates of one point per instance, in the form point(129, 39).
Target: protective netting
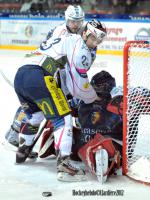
point(138, 112)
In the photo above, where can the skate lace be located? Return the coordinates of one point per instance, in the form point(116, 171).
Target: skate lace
point(68, 163)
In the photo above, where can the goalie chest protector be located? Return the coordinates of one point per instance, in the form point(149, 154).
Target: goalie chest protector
point(98, 120)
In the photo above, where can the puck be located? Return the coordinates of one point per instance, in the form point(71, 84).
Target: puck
point(46, 194)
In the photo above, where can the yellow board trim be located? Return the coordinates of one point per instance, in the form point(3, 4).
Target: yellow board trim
point(110, 52)
point(24, 48)
point(99, 51)
point(140, 54)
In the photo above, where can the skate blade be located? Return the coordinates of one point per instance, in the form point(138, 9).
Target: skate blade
point(21, 158)
point(101, 157)
point(28, 161)
point(61, 176)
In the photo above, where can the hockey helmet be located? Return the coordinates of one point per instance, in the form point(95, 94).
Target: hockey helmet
point(74, 13)
point(96, 28)
point(103, 83)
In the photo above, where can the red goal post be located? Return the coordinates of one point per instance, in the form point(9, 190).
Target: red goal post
point(136, 115)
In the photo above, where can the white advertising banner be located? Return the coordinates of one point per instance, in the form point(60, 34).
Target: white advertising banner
point(120, 32)
point(25, 32)
point(30, 32)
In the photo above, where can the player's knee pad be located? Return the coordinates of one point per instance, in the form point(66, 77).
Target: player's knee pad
point(87, 152)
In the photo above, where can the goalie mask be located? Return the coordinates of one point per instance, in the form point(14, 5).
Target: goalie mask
point(103, 83)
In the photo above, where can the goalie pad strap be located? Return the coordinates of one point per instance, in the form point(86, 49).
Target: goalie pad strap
point(115, 160)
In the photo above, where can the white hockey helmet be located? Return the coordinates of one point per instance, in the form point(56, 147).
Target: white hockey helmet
point(96, 28)
point(74, 13)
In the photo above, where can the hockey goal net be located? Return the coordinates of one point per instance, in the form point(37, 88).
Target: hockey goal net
point(136, 122)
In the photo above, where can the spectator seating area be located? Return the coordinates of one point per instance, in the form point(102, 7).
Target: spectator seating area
point(141, 7)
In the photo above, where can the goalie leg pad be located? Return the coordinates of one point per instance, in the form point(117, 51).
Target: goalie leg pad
point(101, 158)
point(47, 143)
point(87, 152)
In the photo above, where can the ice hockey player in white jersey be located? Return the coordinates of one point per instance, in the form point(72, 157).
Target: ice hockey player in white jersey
point(74, 23)
point(40, 94)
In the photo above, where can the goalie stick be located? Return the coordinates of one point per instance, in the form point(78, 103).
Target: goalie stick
point(9, 147)
point(6, 79)
point(40, 131)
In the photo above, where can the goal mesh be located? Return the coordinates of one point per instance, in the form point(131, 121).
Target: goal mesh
point(136, 136)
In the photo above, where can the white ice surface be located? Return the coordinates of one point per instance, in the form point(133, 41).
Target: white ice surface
point(29, 180)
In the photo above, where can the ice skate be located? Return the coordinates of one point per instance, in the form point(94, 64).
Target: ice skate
point(23, 153)
point(66, 172)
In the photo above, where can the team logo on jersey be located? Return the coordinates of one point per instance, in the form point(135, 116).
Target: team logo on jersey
point(95, 117)
point(49, 67)
point(46, 106)
point(86, 85)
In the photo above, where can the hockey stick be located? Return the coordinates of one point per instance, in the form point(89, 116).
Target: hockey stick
point(6, 79)
point(40, 130)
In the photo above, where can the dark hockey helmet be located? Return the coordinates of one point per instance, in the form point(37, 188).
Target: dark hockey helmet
point(103, 83)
